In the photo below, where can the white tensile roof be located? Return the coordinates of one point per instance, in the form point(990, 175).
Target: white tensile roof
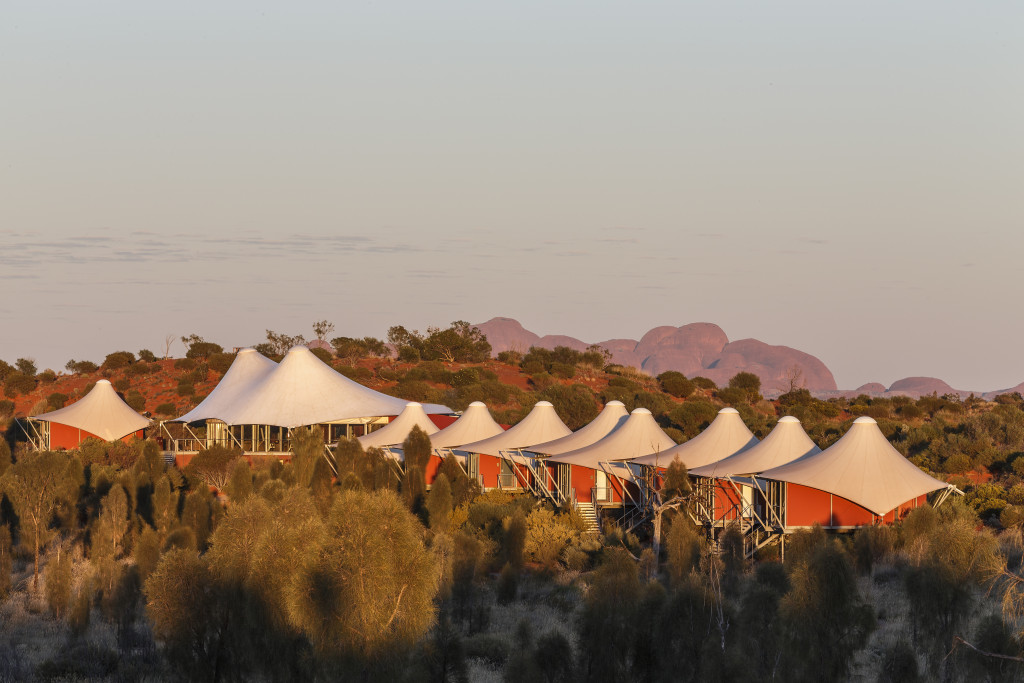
point(249, 367)
point(611, 417)
point(396, 431)
point(303, 390)
point(475, 424)
point(640, 435)
point(862, 467)
point(540, 426)
point(725, 436)
point(787, 442)
point(100, 412)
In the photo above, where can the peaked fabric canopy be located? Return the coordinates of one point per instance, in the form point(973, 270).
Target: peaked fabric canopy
point(100, 412)
point(862, 467)
point(249, 367)
point(396, 431)
point(725, 436)
point(787, 442)
point(540, 426)
point(611, 417)
point(303, 390)
point(640, 435)
point(476, 424)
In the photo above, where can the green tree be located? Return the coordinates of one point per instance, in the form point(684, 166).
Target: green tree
point(749, 384)
point(36, 485)
point(824, 618)
point(26, 366)
point(416, 449)
point(307, 445)
point(369, 588)
point(58, 582)
point(675, 383)
point(575, 404)
point(439, 504)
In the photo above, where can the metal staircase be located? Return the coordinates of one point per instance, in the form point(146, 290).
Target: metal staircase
point(589, 513)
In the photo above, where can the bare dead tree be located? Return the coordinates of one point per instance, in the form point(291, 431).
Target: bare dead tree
point(168, 341)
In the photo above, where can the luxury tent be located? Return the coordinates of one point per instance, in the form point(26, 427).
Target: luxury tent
point(859, 480)
point(255, 407)
point(597, 473)
point(475, 424)
point(724, 489)
point(611, 417)
point(725, 436)
point(498, 462)
point(396, 431)
point(101, 414)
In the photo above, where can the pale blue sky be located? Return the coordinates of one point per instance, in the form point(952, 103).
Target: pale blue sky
point(843, 178)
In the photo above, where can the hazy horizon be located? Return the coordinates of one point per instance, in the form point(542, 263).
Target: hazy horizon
point(841, 179)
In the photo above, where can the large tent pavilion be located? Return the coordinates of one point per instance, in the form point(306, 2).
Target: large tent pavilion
point(599, 474)
point(498, 462)
point(726, 492)
point(725, 436)
point(255, 406)
point(544, 483)
point(859, 480)
point(99, 414)
point(475, 424)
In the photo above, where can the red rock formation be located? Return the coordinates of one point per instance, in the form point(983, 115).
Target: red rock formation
point(693, 349)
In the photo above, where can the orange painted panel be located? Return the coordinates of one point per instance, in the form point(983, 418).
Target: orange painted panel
point(489, 468)
point(63, 436)
point(433, 465)
point(583, 480)
point(805, 506)
point(848, 513)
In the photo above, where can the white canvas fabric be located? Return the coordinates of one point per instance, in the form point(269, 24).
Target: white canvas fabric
point(246, 371)
point(100, 412)
point(395, 432)
point(725, 436)
point(541, 425)
point(475, 424)
point(611, 417)
point(786, 443)
point(862, 467)
point(640, 435)
point(303, 390)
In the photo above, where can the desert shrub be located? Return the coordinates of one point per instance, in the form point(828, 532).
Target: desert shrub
point(359, 374)
point(675, 383)
point(220, 362)
point(703, 383)
point(121, 384)
point(135, 400)
point(510, 357)
point(563, 370)
point(465, 377)
point(118, 360)
point(47, 377)
point(546, 537)
point(166, 409)
point(147, 355)
point(185, 388)
point(81, 367)
point(56, 400)
point(323, 354)
point(18, 383)
point(203, 349)
point(693, 416)
point(6, 407)
point(575, 404)
point(184, 364)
